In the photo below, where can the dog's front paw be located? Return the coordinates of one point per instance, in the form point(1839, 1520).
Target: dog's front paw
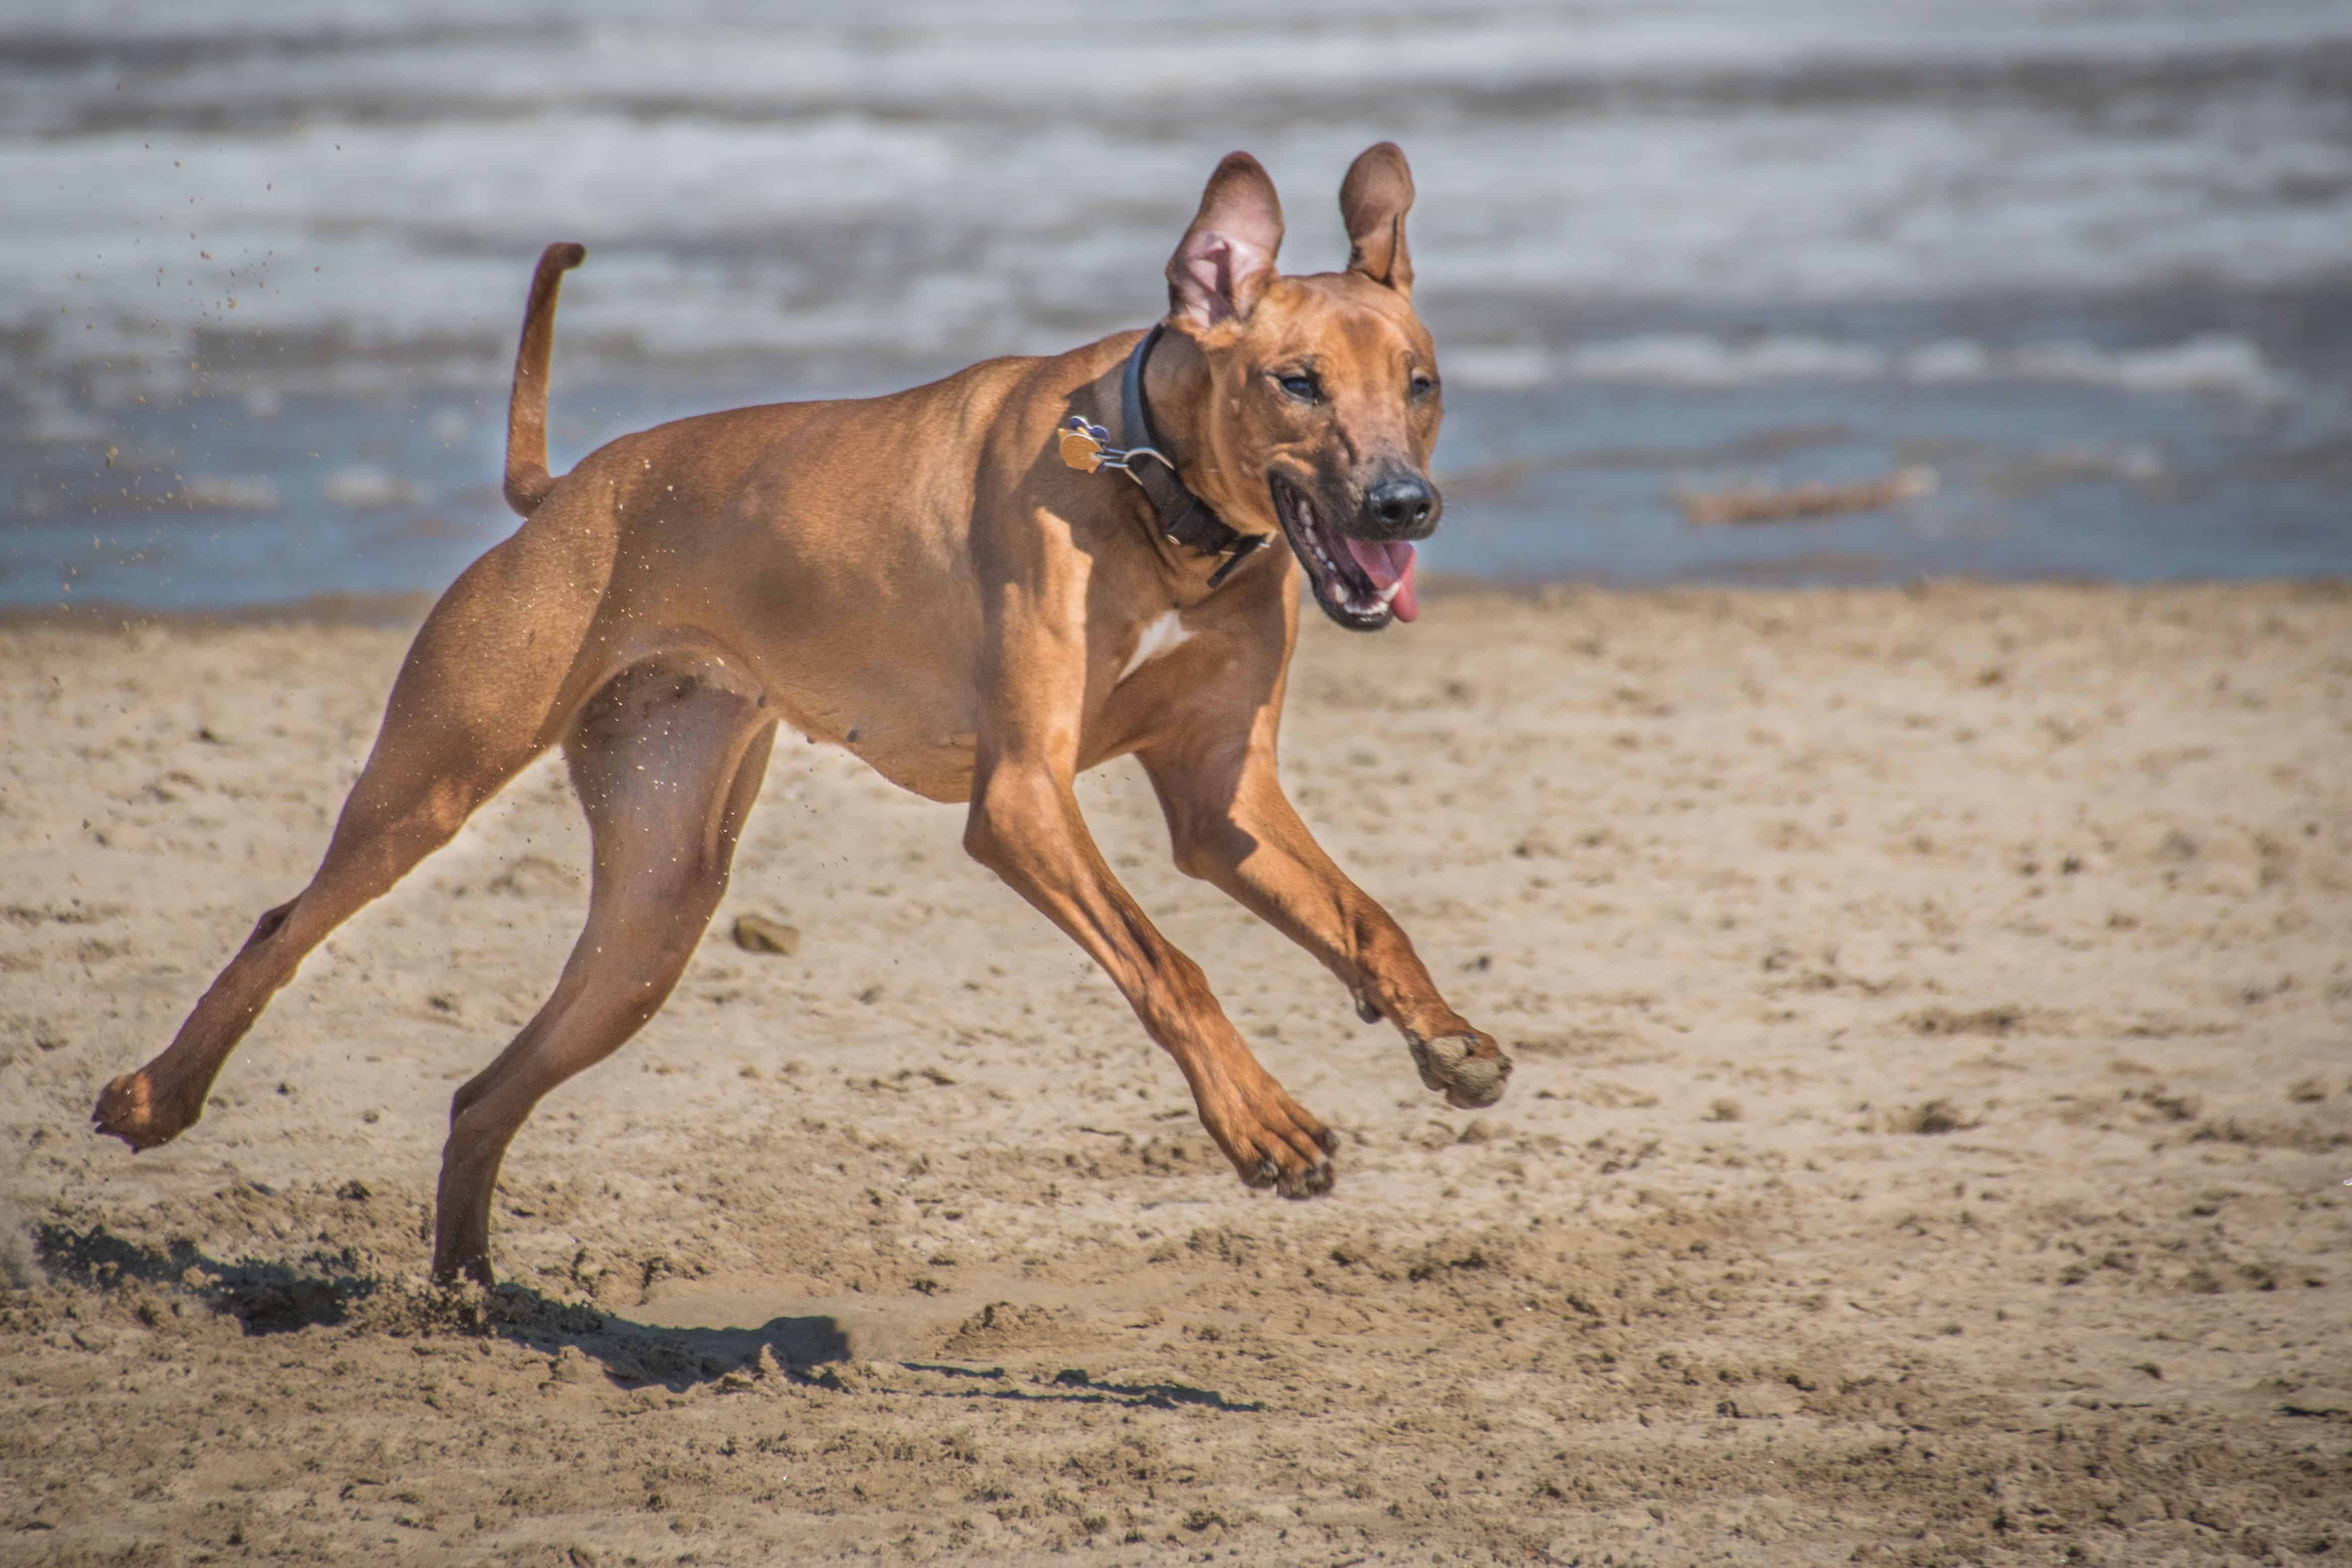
point(1272, 1141)
point(1469, 1068)
point(133, 1110)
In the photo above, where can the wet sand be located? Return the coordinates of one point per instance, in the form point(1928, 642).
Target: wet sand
point(1934, 1017)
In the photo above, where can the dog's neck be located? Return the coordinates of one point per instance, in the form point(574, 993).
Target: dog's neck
point(1151, 385)
point(1175, 380)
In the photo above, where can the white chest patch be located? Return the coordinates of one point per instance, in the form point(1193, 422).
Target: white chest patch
point(1158, 637)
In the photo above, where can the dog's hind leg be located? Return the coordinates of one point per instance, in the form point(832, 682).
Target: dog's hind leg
point(479, 694)
point(667, 759)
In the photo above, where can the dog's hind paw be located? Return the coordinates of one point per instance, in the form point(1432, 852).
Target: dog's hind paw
point(1470, 1069)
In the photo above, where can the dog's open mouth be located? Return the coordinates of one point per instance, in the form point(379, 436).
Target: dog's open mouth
point(1360, 584)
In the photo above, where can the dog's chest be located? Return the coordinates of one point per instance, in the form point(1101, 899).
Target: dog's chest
point(1159, 637)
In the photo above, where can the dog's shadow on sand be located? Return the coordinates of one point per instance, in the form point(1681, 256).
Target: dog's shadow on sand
point(272, 1298)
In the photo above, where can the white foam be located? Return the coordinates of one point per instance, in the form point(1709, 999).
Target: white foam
point(230, 492)
point(2210, 363)
point(1690, 359)
point(1499, 367)
point(365, 487)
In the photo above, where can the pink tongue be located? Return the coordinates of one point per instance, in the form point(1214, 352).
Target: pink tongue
point(1385, 563)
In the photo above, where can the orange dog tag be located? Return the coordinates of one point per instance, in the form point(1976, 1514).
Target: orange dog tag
point(1082, 449)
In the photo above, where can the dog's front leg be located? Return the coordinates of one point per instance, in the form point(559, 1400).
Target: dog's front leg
point(1024, 825)
point(1230, 824)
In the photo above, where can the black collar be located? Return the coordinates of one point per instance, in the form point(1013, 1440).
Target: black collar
point(1184, 518)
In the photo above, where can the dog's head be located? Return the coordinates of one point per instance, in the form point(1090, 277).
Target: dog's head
point(1321, 404)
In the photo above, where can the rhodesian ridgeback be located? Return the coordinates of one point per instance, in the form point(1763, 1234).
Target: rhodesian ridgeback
point(980, 587)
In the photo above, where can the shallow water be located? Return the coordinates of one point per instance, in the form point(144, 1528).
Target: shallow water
point(2092, 265)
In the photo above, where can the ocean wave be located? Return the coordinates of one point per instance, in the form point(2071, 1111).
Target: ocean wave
point(2215, 363)
point(289, 192)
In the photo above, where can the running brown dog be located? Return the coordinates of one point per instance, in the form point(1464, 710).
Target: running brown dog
point(957, 584)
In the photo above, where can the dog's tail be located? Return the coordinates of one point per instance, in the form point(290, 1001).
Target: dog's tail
point(528, 480)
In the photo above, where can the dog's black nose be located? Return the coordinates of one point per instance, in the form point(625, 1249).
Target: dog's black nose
point(1401, 509)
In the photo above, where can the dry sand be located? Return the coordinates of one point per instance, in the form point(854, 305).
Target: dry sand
point(1928, 1144)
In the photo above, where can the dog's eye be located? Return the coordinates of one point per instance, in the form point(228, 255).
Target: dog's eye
point(1305, 388)
point(1423, 386)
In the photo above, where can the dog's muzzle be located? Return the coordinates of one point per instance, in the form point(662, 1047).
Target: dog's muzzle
point(1362, 583)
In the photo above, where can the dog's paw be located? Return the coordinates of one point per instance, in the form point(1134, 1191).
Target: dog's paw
point(1275, 1143)
point(1366, 1008)
point(1297, 1177)
point(1470, 1070)
point(129, 1109)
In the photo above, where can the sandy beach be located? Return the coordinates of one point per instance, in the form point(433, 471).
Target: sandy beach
point(1929, 1142)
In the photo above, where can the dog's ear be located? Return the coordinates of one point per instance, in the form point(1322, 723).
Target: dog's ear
point(1373, 201)
point(1226, 258)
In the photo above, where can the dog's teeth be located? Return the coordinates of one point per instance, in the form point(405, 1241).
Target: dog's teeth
point(1388, 594)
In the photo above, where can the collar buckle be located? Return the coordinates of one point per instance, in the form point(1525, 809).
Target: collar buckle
point(1245, 547)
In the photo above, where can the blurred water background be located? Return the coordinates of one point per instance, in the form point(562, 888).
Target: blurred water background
point(2090, 264)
